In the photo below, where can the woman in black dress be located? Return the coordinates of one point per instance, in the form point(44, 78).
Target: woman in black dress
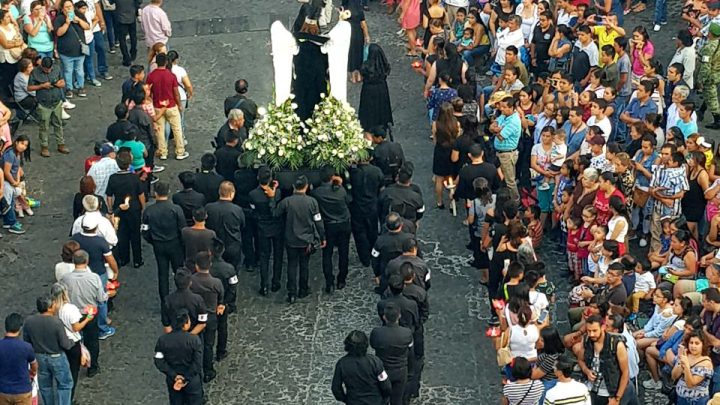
point(444, 133)
point(693, 202)
point(359, 36)
point(375, 109)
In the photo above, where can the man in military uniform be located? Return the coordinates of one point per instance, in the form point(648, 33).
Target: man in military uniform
point(387, 247)
point(393, 344)
point(366, 181)
point(178, 355)
point(213, 294)
point(270, 232)
point(709, 74)
point(333, 202)
point(227, 220)
point(162, 225)
point(419, 266)
point(225, 272)
point(402, 196)
point(184, 299)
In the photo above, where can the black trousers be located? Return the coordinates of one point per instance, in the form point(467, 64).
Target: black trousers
point(266, 244)
point(209, 335)
point(297, 260)
point(416, 364)
point(337, 236)
point(365, 233)
point(233, 254)
point(123, 30)
point(129, 236)
point(73, 355)
point(91, 335)
point(398, 379)
point(169, 256)
point(191, 394)
point(222, 333)
point(250, 243)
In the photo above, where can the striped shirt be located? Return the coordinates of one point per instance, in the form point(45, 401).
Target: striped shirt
point(673, 181)
point(568, 393)
point(527, 393)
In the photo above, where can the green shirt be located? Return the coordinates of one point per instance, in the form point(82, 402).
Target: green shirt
point(137, 149)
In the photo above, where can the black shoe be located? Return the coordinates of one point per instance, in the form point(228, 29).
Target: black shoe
point(716, 122)
point(379, 291)
point(291, 299)
point(329, 289)
point(138, 264)
point(275, 288)
point(340, 285)
point(221, 356)
point(126, 63)
point(249, 269)
point(92, 372)
point(264, 291)
point(209, 376)
point(303, 293)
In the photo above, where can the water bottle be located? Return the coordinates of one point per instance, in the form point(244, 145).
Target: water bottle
point(596, 384)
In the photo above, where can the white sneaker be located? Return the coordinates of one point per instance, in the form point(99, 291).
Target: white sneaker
point(651, 384)
point(68, 105)
point(65, 116)
point(182, 156)
point(656, 28)
point(643, 242)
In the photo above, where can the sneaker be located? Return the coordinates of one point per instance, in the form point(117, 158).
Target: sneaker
point(112, 51)
point(110, 332)
point(68, 105)
point(663, 23)
point(95, 82)
point(69, 94)
point(81, 93)
point(163, 157)
point(182, 156)
point(656, 28)
point(29, 211)
point(16, 229)
point(158, 169)
point(651, 384)
point(643, 242)
point(544, 186)
point(627, 11)
point(6, 226)
point(154, 180)
point(65, 115)
point(106, 76)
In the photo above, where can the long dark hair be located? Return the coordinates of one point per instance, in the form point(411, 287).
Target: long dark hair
point(454, 60)
point(376, 65)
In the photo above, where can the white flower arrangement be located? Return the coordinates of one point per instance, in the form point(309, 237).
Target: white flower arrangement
point(335, 137)
point(274, 139)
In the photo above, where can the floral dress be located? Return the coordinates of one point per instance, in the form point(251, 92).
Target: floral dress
point(627, 183)
point(700, 393)
point(438, 96)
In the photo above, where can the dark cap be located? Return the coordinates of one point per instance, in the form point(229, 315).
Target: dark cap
point(597, 140)
point(106, 149)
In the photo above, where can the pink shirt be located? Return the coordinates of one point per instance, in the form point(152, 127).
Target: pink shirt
point(155, 25)
point(637, 66)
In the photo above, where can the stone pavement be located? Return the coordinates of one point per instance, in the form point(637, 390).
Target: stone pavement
point(278, 354)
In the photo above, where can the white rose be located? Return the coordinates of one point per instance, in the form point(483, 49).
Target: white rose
point(291, 96)
point(341, 155)
point(248, 146)
point(283, 141)
point(333, 152)
point(354, 149)
point(281, 152)
point(322, 95)
point(262, 111)
point(338, 134)
point(294, 106)
point(299, 147)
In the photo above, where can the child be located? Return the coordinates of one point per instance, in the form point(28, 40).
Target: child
point(466, 41)
point(458, 28)
point(558, 154)
point(535, 227)
point(644, 284)
point(585, 239)
point(573, 238)
point(595, 252)
point(657, 259)
point(543, 285)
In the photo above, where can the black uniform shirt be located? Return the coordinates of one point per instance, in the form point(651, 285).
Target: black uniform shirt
point(268, 224)
point(163, 222)
point(184, 299)
point(121, 185)
point(225, 272)
point(392, 345)
point(117, 129)
point(303, 221)
point(245, 181)
point(179, 353)
point(405, 200)
point(333, 202)
point(360, 380)
point(227, 161)
point(366, 181)
point(209, 288)
point(197, 240)
point(387, 247)
point(208, 183)
point(421, 269)
point(409, 315)
point(227, 220)
point(469, 173)
point(189, 200)
point(388, 156)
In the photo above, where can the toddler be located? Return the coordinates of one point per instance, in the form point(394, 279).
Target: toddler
point(644, 285)
point(558, 154)
point(573, 239)
point(658, 258)
point(585, 239)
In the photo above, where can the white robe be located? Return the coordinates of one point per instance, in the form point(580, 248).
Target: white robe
point(337, 50)
point(284, 47)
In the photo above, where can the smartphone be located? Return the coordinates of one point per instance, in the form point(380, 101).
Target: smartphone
point(543, 316)
point(681, 350)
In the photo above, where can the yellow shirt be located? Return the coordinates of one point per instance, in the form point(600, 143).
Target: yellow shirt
point(708, 159)
point(604, 38)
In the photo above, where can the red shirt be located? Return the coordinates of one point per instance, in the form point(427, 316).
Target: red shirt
point(163, 87)
point(91, 161)
point(602, 204)
point(584, 235)
point(573, 238)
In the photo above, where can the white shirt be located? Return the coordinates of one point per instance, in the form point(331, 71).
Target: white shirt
point(558, 154)
point(101, 172)
point(591, 50)
point(644, 282)
point(105, 227)
point(538, 301)
point(505, 38)
point(617, 221)
point(687, 57)
point(180, 73)
point(527, 23)
point(673, 117)
point(62, 268)
point(457, 3)
point(604, 124)
point(522, 344)
point(568, 393)
point(70, 314)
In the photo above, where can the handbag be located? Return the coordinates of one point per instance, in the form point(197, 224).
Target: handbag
point(504, 356)
point(640, 197)
point(84, 48)
point(16, 53)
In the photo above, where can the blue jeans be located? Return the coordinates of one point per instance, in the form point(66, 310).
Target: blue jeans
point(103, 308)
point(73, 69)
point(470, 54)
point(620, 131)
point(695, 401)
point(660, 11)
point(54, 378)
point(110, 24)
point(9, 196)
point(715, 387)
point(46, 54)
point(547, 384)
point(97, 47)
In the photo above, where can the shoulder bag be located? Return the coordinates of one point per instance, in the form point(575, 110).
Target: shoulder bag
point(84, 48)
point(504, 356)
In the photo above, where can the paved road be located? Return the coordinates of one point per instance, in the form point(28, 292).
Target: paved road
point(278, 354)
